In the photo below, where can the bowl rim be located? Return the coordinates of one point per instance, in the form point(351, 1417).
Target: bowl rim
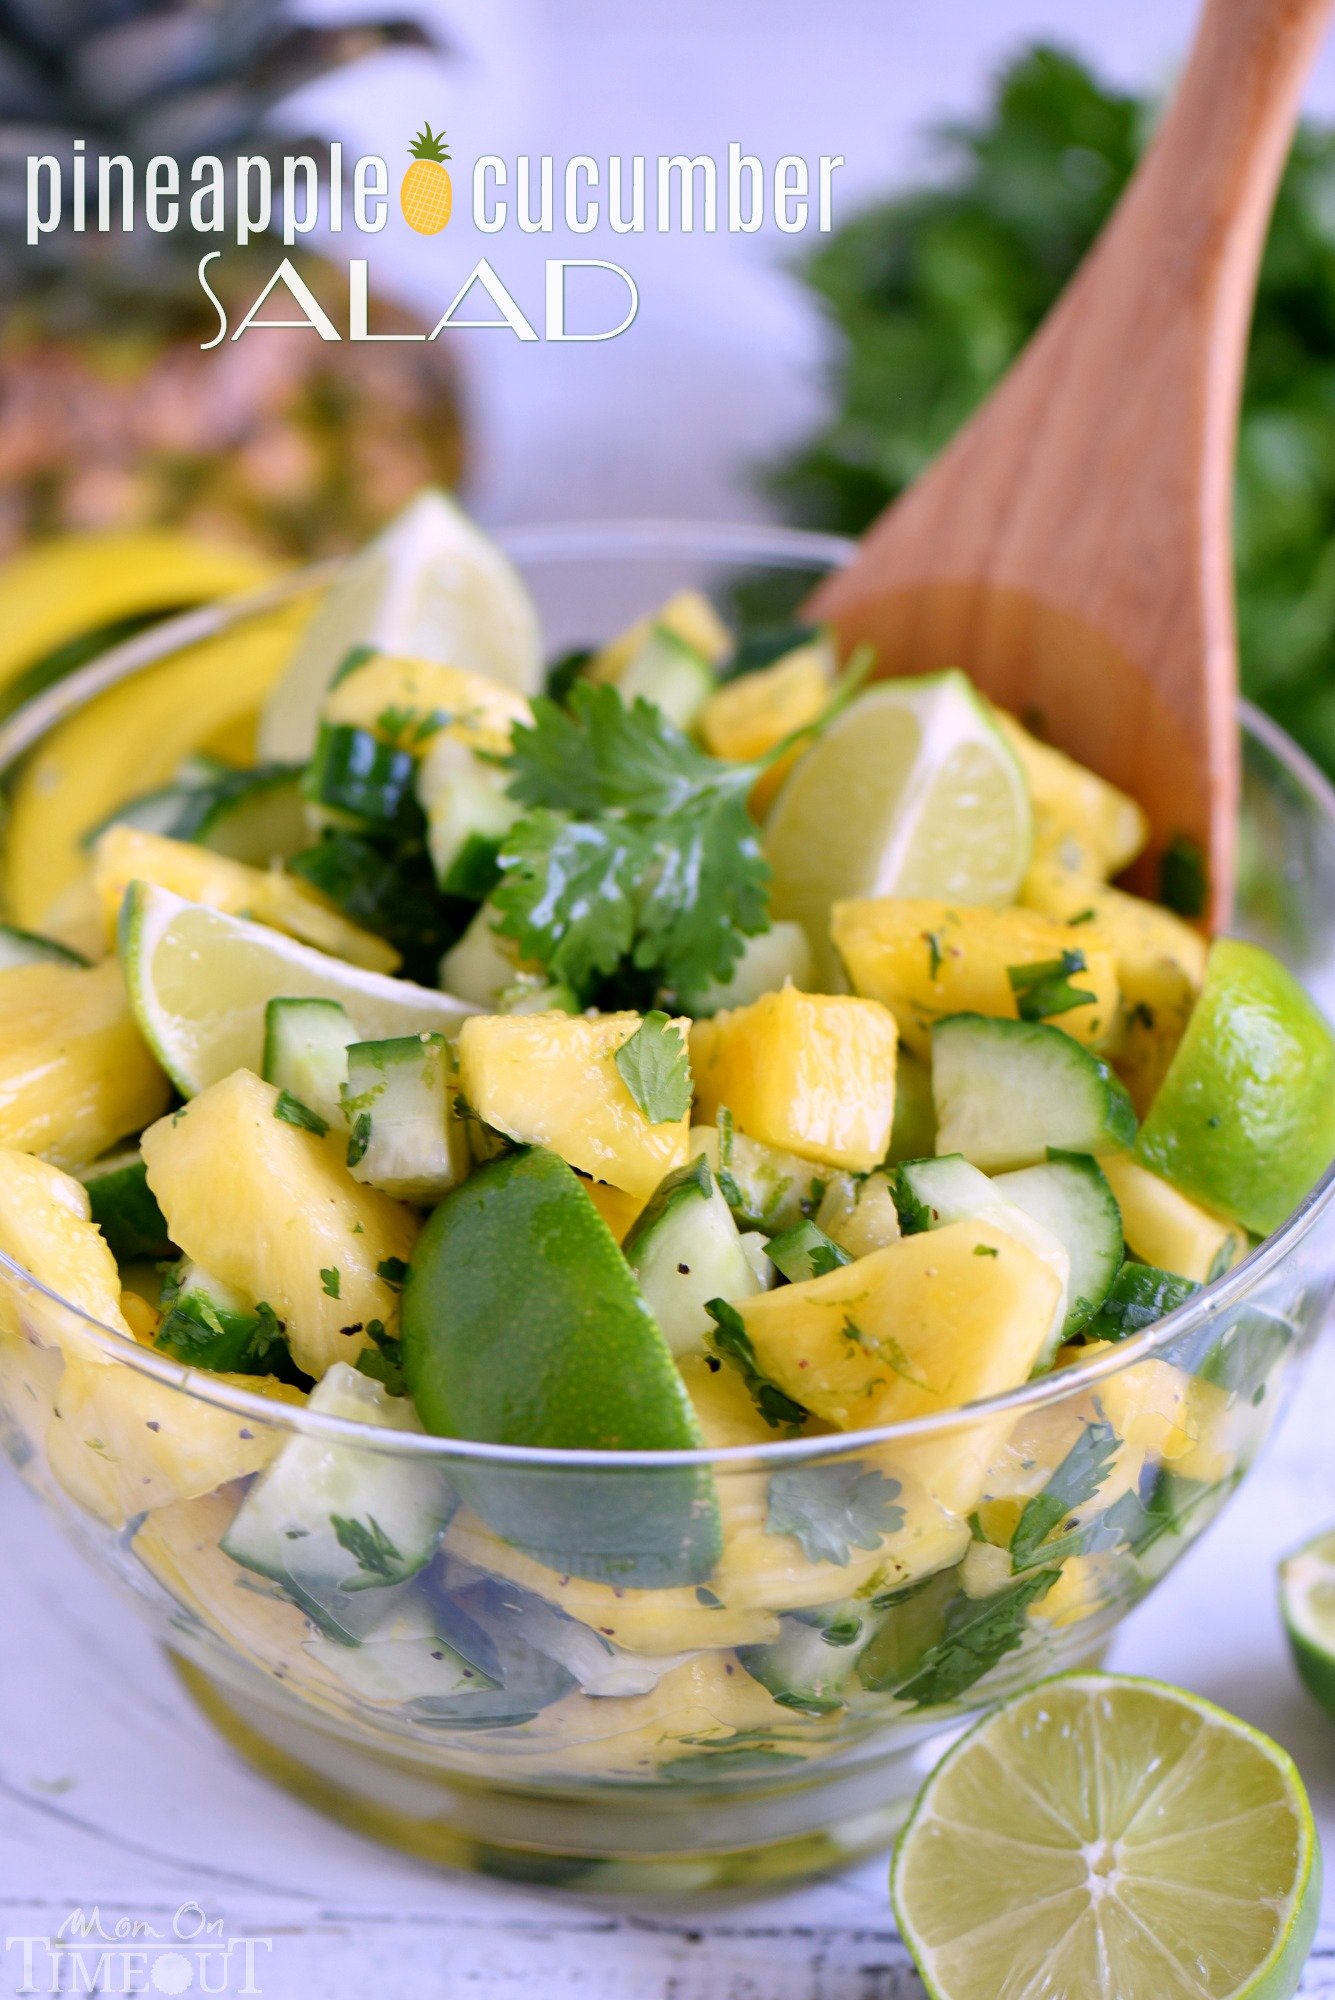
point(779, 547)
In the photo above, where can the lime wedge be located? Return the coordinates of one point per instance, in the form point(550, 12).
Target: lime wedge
point(1110, 1839)
point(912, 791)
point(431, 587)
point(199, 982)
point(1307, 1603)
point(1244, 1121)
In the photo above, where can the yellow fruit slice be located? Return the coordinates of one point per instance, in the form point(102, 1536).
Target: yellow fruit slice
point(128, 741)
point(1168, 1229)
point(273, 1211)
point(924, 959)
point(1104, 823)
point(810, 1073)
point(125, 854)
point(75, 1073)
point(688, 615)
point(408, 701)
point(46, 1227)
point(552, 1080)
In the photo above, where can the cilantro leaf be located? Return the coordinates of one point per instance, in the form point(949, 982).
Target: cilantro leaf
point(831, 1509)
point(656, 1069)
point(293, 1112)
point(394, 1272)
point(1077, 1479)
point(383, 1362)
point(1044, 988)
point(331, 1284)
point(979, 1632)
point(1138, 1296)
point(368, 1544)
point(731, 1339)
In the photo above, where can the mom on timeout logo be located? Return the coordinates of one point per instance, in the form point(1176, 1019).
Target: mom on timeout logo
point(115, 1955)
point(255, 197)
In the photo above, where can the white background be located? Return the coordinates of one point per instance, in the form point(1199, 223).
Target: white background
point(112, 1791)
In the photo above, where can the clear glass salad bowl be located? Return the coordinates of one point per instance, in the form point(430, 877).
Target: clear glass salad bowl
point(550, 1697)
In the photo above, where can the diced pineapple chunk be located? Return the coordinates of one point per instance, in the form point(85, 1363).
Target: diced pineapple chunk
point(75, 1073)
point(1169, 1229)
point(179, 1546)
point(272, 1210)
point(619, 1211)
point(688, 616)
point(408, 702)
point(125, 854)
point(1149, 1405)
point(925, 959)
point(749, 716)
point(810, 1073)
point(46, 1227)
point(552, 1080)
point(1106, 824)
point(705, 1701)
point(121, 1443)
point(1086, 1585)
point(934, 1321)
point(1160, 965)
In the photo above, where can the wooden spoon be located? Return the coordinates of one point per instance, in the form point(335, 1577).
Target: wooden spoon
point(1071, 549)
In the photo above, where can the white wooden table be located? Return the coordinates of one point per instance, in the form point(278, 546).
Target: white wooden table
point(115, 1794)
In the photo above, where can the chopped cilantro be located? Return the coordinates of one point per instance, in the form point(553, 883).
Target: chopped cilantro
point(331, 1282)
point(979, 1631)
point(383, 1361)
point(1081, 917)
point(393, 1271)
point(985, 1250)
point(1077, 1479)
point(1138, 1296)
point(914, 1214)
point(731, 1339)
point(368, 1544)
point(656, 1069)
point(1183, 885)
point(359, 1138)
point(932, 939)
point(831, 1509)
point(293, 1112)
point(1044, 988)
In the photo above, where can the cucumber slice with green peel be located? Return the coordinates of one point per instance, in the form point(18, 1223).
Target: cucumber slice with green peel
point(207, 1324)
point(809, 1666)
point(256, 816)
point(773, 956)
point(1137, 1297)
point(29, 948)
point(468, 814)
point(356, 780)
point(670, 673)
point(684, 1249)
point(125, 1208)
point(1070, 1196)
point(403, 1136)
point(531, 995)
point(480, 967)
point(503, 1612)
point(523, 1325)
point(406, 1662)
point(1008, 1091)
point(806, 1252)
point(338, 1524)
point(306, 1046)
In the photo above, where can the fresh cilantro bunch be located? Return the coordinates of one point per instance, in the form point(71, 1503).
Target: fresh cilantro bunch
point(636, 872)
point(935, 290)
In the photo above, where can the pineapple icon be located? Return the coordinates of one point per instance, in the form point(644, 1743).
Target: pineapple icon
point(427, 196)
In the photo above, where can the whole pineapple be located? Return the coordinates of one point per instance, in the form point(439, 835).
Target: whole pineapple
point(110, 415)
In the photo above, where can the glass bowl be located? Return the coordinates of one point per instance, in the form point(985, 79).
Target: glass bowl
point(562, 1693)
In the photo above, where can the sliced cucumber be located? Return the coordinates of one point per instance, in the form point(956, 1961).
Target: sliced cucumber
point(207, 1324)
point(306, 1046)
point(1007, 1091)
point(670, 673)
point(125, 1208)
point(1070, 1196)
point(808, 1667)
point(406, 1662)
point(356, 780)
point(403, 1135)
point(28, 948)
point(766, 1189)
point(255, 816)
point(532, 994)
point(685, 1249)
point(336, 1524)
point(806, 1252)
point(782, 952)
point(481, 966)
point(468, 814)
point(505, 1613)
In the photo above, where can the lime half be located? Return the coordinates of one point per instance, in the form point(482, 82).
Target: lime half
point(430, 587)
point(199, 982)
point(1102, 1838)
point(912, 791)
point(1307, 1604)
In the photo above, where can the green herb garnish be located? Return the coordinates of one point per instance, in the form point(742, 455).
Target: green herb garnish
point(1044, 988)
point(832, 1509)
point(293, 1112)
point(656, 1069)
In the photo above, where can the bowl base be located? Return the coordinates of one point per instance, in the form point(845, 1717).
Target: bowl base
point(602, 1841)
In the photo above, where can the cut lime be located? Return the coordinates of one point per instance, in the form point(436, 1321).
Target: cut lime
point(199, 982)
point(1110, 1839)
point(1244, 1121)
point(1307, 1603)
point(432, 587)
point(912, 791)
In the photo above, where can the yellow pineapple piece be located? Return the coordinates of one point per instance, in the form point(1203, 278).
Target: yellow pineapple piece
point(75, 1073)
point(142, 1319)
point(1219, 1424)
point(1160, 966)
point(689, 616)
point(748, 717)
point(810, 1073)
point(1150, 1406)
point(925, 959)
point(619, 1211)
point(46, 1227)
point(936, 1320)
point(701, 1701)
point(125, 854)
point(552, 1080)
point(272, 1210)
point(1168, 1229)
point(1103, 822)
point(178, 1544)
point(1086, 1585)
point(408, 702)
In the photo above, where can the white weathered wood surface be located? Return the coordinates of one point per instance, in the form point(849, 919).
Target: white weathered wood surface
point(114, 1793)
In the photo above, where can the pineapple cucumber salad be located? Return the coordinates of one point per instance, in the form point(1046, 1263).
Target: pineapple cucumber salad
point(711, 1050)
